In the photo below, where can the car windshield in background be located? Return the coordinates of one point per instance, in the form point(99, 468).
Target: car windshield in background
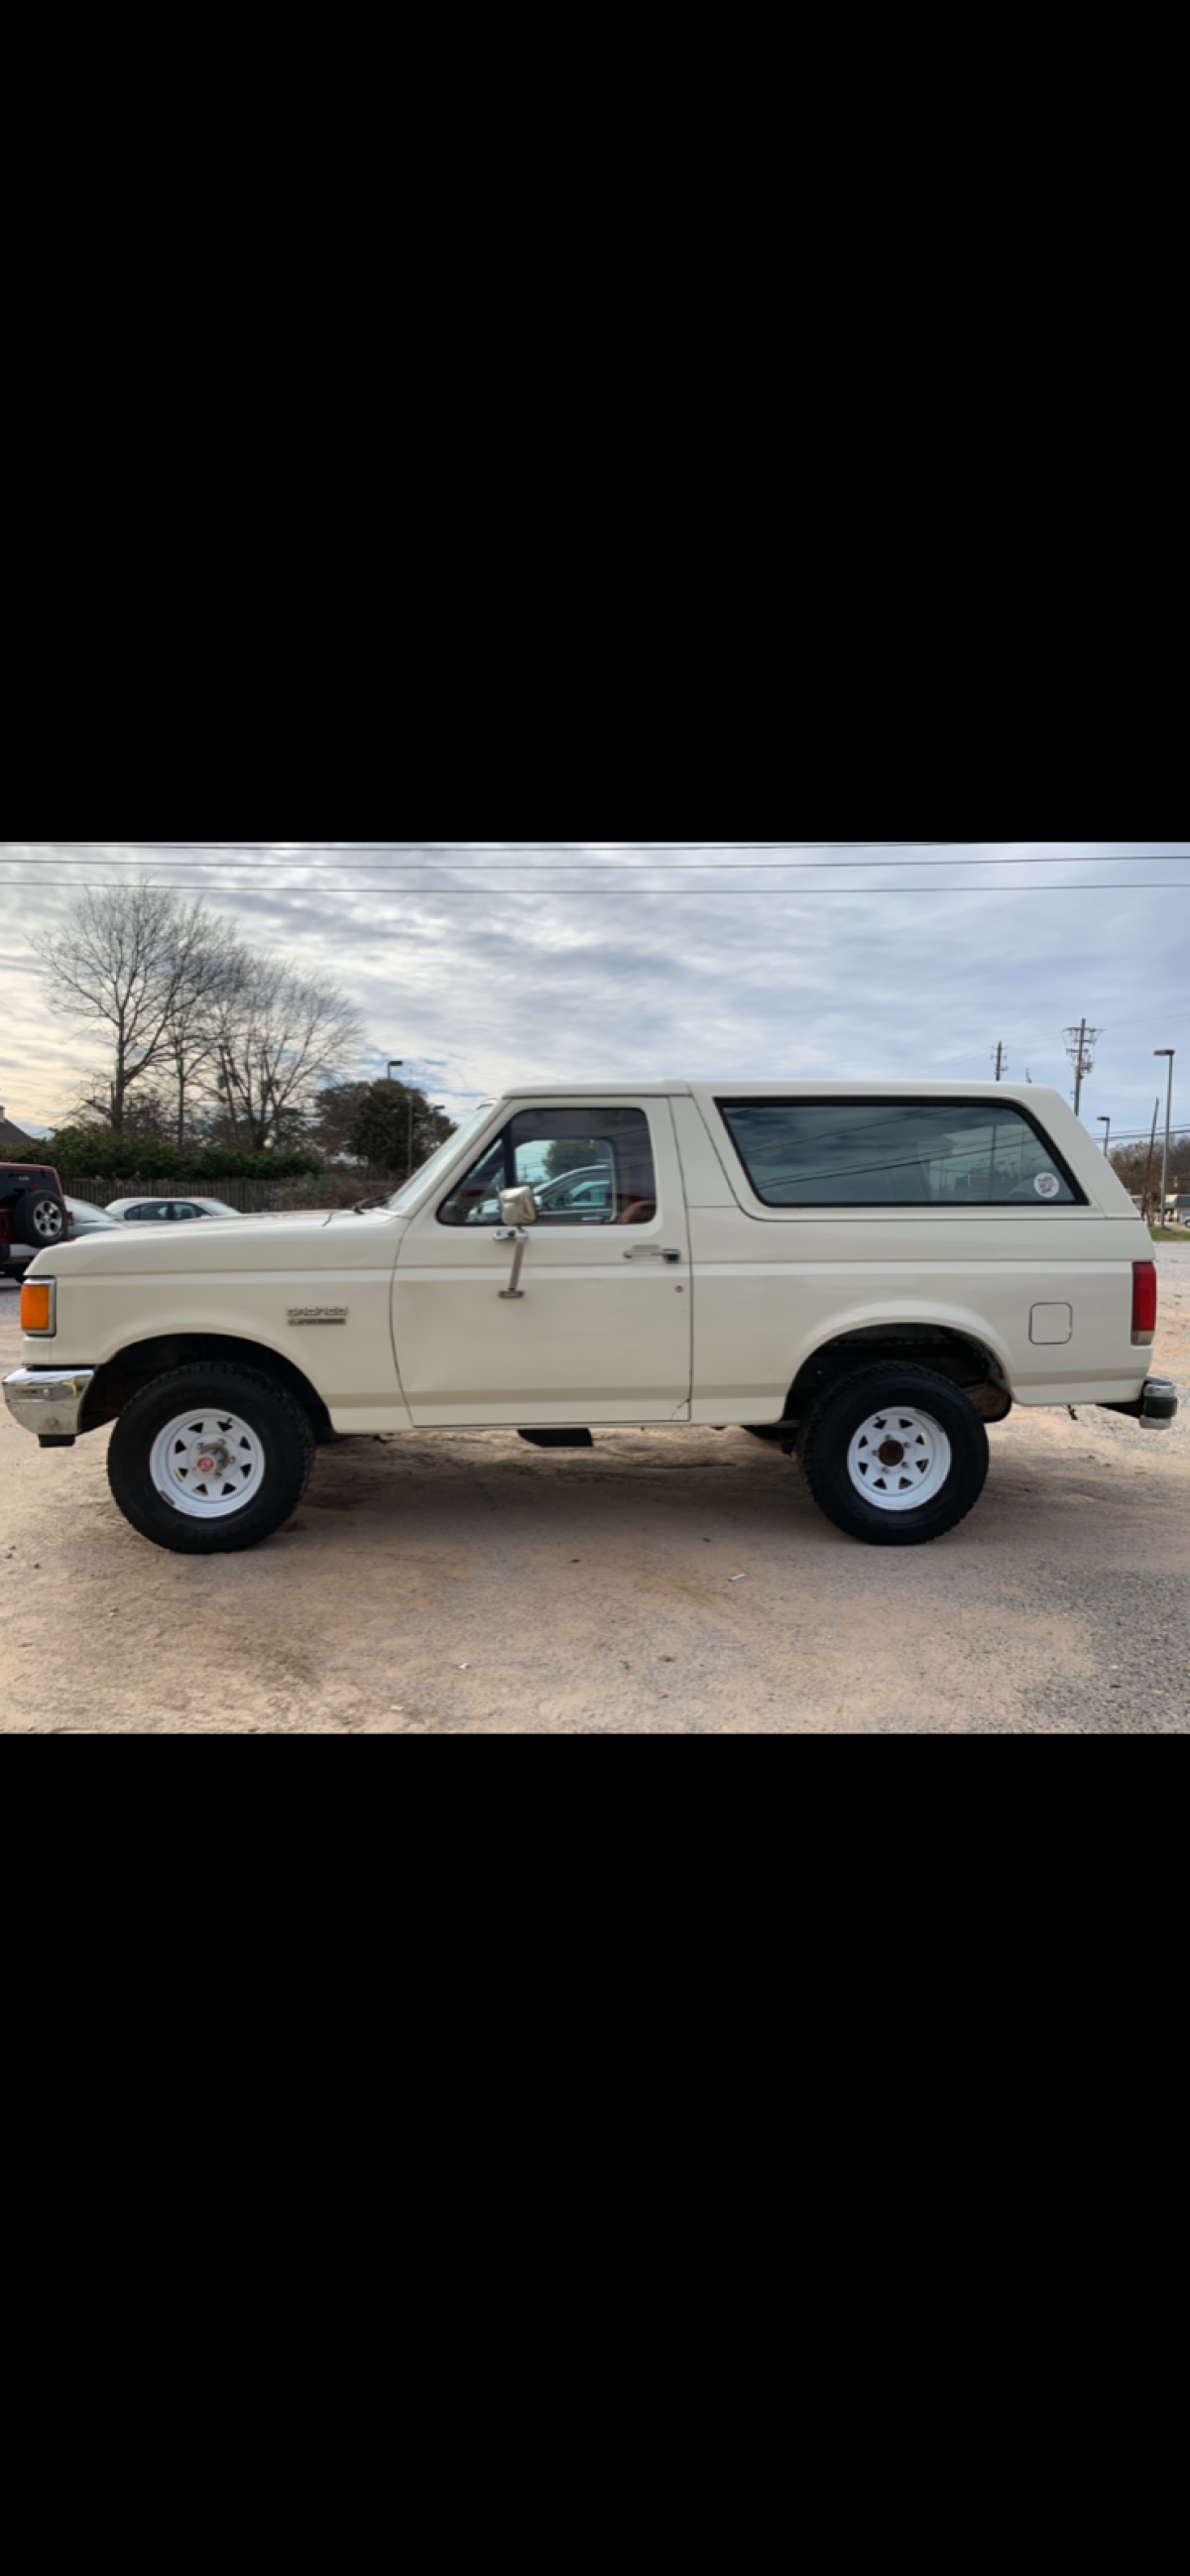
point(90, 1220)
point(938, 1153)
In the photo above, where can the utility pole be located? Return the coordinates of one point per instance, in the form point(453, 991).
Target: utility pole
point(1080, 1047)
point(396, 1064)
point(1105, 1123)
point(1144, 1204)
point(1001, 1060)
point(1170, 1052)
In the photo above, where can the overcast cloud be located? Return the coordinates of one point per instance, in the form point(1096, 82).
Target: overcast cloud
point(582, 961)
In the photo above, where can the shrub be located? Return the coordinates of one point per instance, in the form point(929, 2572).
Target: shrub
point(94, 1154)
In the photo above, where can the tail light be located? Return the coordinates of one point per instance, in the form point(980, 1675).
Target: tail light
point(1144, 1301)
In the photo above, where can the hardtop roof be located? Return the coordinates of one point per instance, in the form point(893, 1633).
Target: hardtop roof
point(801, 1086)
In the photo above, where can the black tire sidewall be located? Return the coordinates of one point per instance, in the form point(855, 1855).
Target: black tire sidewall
point(279, 1422)
point(25, 1211)
point(832, 1427)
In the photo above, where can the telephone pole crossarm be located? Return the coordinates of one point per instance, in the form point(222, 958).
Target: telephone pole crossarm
point(1080, 1047)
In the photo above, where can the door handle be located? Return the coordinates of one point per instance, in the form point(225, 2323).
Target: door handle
point(651, 1252)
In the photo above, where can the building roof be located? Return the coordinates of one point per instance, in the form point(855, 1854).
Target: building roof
point(13, 1140)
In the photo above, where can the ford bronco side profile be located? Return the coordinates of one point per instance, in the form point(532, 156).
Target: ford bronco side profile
point(869, 1274)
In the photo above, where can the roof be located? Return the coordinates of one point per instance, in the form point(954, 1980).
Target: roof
point(794, 1087)
point(13, 1140)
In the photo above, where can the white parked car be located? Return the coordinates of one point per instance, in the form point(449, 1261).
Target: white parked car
point(169, 1211)
point(872, 1272)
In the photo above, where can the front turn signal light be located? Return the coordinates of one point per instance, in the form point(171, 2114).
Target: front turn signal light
point(37, 1306)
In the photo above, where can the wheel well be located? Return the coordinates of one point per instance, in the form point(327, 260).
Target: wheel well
point(957, 1356)
point(120, 1379)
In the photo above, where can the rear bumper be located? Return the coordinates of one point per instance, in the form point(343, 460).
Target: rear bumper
point(49, 1402)
point(1156, 1405)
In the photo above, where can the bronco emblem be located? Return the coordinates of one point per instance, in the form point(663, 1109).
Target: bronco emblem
point(319, 1314)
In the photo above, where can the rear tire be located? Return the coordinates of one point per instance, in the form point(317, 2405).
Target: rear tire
point(209, 1461)
point(885, 1437)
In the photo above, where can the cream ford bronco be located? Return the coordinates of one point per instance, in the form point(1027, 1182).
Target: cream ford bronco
point(868, 1273)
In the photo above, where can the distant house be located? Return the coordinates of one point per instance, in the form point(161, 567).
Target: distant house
point(13, 1140)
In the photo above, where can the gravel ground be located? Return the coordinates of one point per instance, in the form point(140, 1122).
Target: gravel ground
point(668, 1582)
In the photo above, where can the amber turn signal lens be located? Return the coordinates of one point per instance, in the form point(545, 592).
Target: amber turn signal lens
point(35, 1306)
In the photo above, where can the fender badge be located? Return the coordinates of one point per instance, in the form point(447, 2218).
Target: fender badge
point(319, 1314)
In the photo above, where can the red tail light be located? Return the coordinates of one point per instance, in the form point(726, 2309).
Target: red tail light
point(1144, 1301)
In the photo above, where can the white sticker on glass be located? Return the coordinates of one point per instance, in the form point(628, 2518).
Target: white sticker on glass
point(1047, 1185)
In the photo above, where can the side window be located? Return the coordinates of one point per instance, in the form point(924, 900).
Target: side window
point(184, 1213)
point(585, 1167)
point(889, 1153)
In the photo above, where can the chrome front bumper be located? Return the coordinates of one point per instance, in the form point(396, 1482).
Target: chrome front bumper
point(49, 1402)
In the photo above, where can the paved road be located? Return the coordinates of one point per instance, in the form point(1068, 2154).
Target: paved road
point(672, 1582)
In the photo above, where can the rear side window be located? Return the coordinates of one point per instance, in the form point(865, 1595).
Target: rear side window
point(890, 1153)
point(585, 1167)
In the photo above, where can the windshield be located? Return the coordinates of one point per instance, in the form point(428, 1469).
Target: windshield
point(458, 1143)
point(83, 1215)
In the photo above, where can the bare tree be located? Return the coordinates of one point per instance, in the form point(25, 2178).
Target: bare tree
point(277, 1036)
point(217, 968)
point(123, 964)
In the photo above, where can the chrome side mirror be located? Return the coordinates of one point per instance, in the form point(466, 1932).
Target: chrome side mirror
point(518, 1207)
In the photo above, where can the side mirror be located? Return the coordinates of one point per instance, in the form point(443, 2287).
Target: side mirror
point(518, 1207)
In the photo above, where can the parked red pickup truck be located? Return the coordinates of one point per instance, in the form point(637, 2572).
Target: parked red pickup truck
point(33, 1213)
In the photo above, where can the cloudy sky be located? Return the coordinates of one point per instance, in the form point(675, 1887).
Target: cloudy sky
point(482, 963)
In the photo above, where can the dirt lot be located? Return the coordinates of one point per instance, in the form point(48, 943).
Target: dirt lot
point(665, 1583)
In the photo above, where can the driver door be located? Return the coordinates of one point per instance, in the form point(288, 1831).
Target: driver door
point(602, 1331)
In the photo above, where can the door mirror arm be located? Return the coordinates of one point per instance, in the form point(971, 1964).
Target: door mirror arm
point(518, 1211)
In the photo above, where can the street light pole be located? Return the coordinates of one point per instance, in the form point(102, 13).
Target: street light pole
point(1105, 1123)
point(396, 1064)
point(1170, 1052)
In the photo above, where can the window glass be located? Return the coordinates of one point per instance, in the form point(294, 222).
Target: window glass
point(889, 1153)
point(182, 1212)
point(445, 1154)
point(584, 1166)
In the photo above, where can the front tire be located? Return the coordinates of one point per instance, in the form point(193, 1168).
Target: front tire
point(895, 1456)
point(211, 1460)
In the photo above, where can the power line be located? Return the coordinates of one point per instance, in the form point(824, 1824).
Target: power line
point(412, 867)
point(827, 894)
point(442, 892)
